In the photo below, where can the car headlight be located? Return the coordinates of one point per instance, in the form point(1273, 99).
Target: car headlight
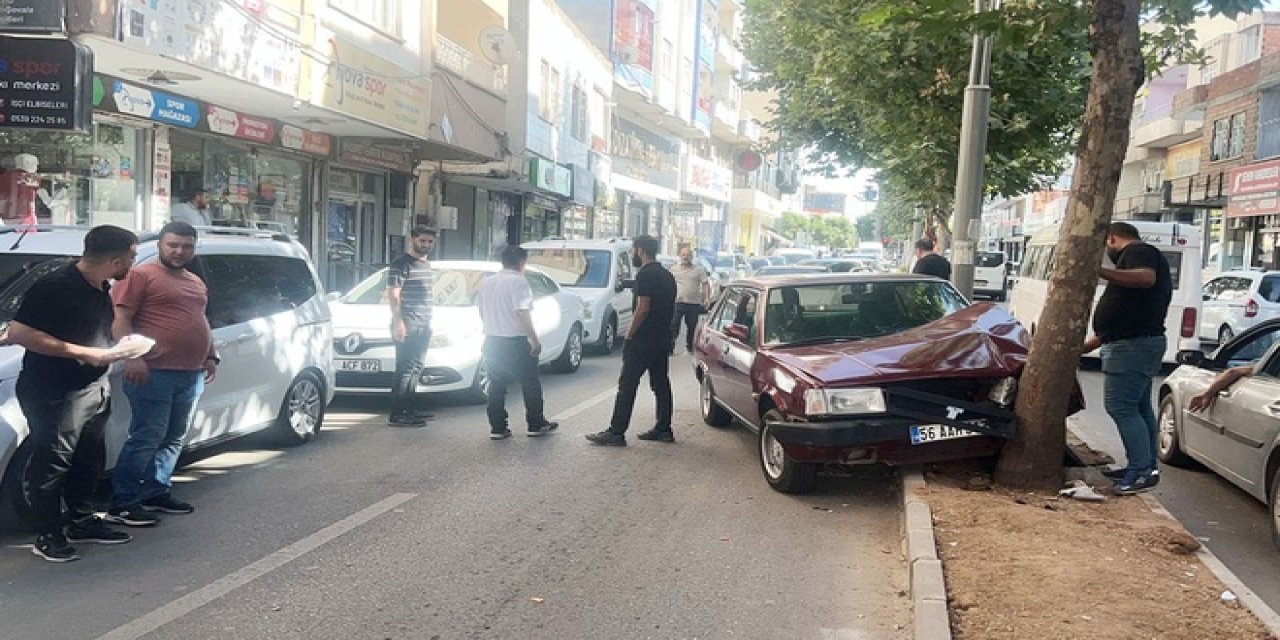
point(454, 337)
point(1005, 392)
point(838, 402)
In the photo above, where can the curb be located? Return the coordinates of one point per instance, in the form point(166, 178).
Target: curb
point(930, 618)
point(1260, 609)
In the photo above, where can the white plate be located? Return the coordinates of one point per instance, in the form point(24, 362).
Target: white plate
point(132, 347)
point(361, 366)
point(924, 433)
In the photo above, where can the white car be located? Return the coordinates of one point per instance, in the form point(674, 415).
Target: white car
point(365, 356)
point(597, 271)
point(1237, 300)
point(270, 322)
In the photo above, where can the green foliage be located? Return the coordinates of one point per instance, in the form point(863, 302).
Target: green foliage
point(822, 231)
point(866, 226)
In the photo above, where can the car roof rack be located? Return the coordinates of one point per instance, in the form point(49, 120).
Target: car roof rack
point(44, 227)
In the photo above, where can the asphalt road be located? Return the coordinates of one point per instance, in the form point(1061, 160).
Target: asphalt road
point(379, 532)
point(1229, 521)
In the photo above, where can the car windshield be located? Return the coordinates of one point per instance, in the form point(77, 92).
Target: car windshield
point(725, 262)
point(587, 268)
point(452, 288)
point(844, 311)
point(987, 259)
point(17, 273)
point(793, 258)
point(771, 270)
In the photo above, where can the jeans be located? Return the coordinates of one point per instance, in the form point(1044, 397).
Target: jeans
point(68, 451)
point(687, 314)
point(163, 407)
point(1128, 366)
point(510, 361)
point(410, 356)
point(638, 359)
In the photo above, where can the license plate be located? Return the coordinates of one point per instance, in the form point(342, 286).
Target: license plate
point(364, 366)
point(980, 282)
point(921, 434)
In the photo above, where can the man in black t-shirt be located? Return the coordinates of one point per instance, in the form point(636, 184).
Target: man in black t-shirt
point(648, 347)
point(411, 290)
point(64, 323)
point(929, 263)
point(1128, 324)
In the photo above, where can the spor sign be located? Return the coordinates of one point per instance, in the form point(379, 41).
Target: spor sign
point(44, 84)
point(155, 105)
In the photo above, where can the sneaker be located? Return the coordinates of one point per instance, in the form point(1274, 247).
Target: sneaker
point(131, 516)
point(657, 435)
point(1115, 474)
point(607, 438)
point(500, 435)
point(94, 530)
point(166, 503)
point(1136, 482)
point(543, 429)
point(406, 420)
point(54, 548)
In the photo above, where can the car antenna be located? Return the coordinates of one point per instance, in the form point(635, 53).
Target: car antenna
point(18, 242)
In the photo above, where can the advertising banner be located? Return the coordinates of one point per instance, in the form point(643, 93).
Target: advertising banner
point(45, 84)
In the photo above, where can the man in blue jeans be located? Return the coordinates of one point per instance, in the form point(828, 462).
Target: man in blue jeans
point(163, 301)
point(1128, 324)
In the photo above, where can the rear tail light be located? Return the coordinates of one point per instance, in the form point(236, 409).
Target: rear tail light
point(1251, 308)
point(1189, 323)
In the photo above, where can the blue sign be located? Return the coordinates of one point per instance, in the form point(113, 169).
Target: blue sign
point(155, 105)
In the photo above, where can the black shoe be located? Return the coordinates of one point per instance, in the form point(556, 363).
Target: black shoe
point(166, 503)
point(1115, 474)
point(500, 435)
point(607, 438)
point(543, 429)
point(1135, 483)
point(422, 415)
point(657, 435)
point(131, 516)
point(406, 420)
point(93, 530)
point(54, 548)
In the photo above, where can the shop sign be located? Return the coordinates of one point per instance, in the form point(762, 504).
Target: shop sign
point(230, 123)
point(45, 84)
point(155, 105)
point(549, 176)
point(642, 155)
point(31, 15)
point(364, 85)
point(299, 139)
point(1254, 190)
point(540, 201)
point(709, 180)
point(374, 154)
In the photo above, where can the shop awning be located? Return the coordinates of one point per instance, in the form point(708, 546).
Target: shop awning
point(777, 237)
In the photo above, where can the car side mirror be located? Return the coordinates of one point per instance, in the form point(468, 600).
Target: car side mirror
point(625, 284)
point(1192, 358)
point(1205, 297)
point(737, 332)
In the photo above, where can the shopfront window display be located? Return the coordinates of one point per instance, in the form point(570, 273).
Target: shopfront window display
point(248, 188)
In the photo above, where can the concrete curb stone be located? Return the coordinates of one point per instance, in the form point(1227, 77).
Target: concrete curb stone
point(930, 617)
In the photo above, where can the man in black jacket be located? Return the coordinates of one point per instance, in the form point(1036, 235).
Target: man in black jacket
point(929, 263)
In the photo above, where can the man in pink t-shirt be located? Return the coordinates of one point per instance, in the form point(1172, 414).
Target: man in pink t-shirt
point(164, 301)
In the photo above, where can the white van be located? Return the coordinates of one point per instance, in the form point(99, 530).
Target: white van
point(1180, 244)
point(596, 270)
point(990, 275)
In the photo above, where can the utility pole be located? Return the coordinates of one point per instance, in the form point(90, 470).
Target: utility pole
point(916, 229)
point(973, 149)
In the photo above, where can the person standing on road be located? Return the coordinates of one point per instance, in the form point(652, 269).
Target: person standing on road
point(693, 290)
point(163, 301)
point(647, 350)
point(194, 210)
point(64, 323)
point(410, 282)
point(1128, 324)
point(511, 345)
point(929, 263)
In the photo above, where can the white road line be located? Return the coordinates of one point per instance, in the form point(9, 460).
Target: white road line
point(585, 404)
point(226, 584)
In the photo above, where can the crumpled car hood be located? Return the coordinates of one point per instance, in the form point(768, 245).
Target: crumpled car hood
point(980, 341)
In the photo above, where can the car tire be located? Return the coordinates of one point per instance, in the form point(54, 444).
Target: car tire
point(783, 474)
point(479, 391)
point(712, 413)
point(302, 412)
point(1003, 296)
point(1273, 507)
point(609, 337)
point(571, 357)
point(1225, 334)
point(1168, 442)
point(14, 492)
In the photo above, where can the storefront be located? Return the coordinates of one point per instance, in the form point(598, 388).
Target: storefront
point(548, 213)
point(646, 175)
point(1251, 219)
point(367, 209)
point(577, 215)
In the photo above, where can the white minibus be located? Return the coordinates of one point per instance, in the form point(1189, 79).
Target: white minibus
point(1180, 244)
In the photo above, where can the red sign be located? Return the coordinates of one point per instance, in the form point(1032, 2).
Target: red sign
point(1254, 190)
point(256, 129)
point(299, 139)
point(231, 123)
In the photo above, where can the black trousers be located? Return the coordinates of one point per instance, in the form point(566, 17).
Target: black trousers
point(410, 356)
point(510, 361)
point(639, 358)
point(68, 450)
point(687, 314)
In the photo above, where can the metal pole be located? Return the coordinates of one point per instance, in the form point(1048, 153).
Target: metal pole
point(916, 229)
point(973, 148)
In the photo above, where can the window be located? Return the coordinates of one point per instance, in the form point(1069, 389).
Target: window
point(1247, 351)
point(1269, 123)
point(1269, 290)
point(549, 101)
point(1228, 138)
point(540, 284)
point(245, 288)
point(746, 314)
point(728, 309)
point(383, 15)
point(580, 122)
point(832, 312)
point(1236, 148)
point(574, 267)
point(1213, 288)
point(1248, 45)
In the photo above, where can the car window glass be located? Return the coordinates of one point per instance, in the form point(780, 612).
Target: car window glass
point(1269, 290)
point(624, 266)
point(1212, 288)
point(727, 310)
point(244, 288)
point(539, 285)
point(746, 314)
point(1174, 258)
point(988, 259)
point(855, 310)
point(1249, 349)
point(574, 267)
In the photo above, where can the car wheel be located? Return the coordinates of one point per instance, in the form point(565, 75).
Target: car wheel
point(1168, 446)
point(608, 336)
point(1225, 334)
point(1003, 296)
point(14, 484)
point(479, 391)
point(571, 358)
point(1273, 504)
point(782, 473)
point(712, 413)
point(302, 411)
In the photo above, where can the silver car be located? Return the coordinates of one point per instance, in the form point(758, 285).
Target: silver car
point(1237, 436)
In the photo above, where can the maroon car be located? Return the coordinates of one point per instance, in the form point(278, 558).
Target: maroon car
point(858, 369)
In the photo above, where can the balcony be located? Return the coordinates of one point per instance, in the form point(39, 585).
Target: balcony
point(1134, 206)
point(456, 59)
point(750, 129)
point(1192, 101)
point(728, 54)
point(726, 113)
point(1166, 132)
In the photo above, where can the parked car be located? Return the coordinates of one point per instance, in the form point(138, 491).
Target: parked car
point(793, 254)
point(1236, 300)
point(791, 269)
point(596, 271)
point(1237, 436)
point(777, 261)
point(732, 265)
point(713, 278)
point(365, 356)
point(837, 265)
point(858, 369)
point(271, 325)
point(990, 275)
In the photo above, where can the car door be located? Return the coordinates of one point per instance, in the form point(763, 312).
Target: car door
point(1231, 301)
point(738, 356)
point(712, 343)
point(548, 315)
point(623, 298)
point(1211, 309)
point(1211, 433)
point(1249, 413)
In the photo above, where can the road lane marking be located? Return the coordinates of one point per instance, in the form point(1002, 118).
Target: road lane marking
point(584, 405)
point(228, 583)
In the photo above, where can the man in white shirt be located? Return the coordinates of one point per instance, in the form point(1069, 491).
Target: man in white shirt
point(511, 346)
point(693, 290)
point(194, 210)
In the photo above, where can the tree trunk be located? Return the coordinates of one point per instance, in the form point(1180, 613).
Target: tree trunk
point(1034, 458)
